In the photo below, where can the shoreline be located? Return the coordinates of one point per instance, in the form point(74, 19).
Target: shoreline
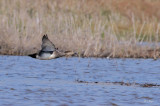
point(149, 55)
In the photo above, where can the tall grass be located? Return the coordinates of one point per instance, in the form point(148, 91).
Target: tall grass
point(89, 27)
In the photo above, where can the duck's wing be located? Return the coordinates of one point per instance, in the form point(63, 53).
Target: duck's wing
point(47, 45)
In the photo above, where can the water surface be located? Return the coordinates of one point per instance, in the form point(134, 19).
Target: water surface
point(25, 81)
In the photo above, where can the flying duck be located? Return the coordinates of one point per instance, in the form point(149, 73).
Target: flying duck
point(49, 51)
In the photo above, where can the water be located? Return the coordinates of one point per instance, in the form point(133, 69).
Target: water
point(78, 82)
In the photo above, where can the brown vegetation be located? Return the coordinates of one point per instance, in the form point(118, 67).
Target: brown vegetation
point(101, 28)
point(121, 83)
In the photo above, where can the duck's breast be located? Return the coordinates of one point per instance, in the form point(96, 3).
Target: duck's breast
point(45, 55)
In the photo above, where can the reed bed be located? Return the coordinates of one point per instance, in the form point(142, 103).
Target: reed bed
point(92, 28)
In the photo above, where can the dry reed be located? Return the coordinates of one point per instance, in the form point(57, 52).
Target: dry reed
point(105, 28)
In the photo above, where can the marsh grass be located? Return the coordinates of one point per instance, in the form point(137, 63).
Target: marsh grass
point(106, 28)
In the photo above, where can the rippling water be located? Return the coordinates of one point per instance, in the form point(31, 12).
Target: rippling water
point(30, 82)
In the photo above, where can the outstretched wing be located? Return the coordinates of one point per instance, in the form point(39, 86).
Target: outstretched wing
point(47, 45)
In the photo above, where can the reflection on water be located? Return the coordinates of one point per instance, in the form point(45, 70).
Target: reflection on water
point(25, 81)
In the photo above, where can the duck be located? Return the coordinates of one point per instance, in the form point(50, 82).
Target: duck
point(49, 51)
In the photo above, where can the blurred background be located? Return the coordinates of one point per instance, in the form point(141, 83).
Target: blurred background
point(89, 27)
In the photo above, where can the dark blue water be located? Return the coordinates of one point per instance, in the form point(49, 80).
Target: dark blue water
point(30, 82)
